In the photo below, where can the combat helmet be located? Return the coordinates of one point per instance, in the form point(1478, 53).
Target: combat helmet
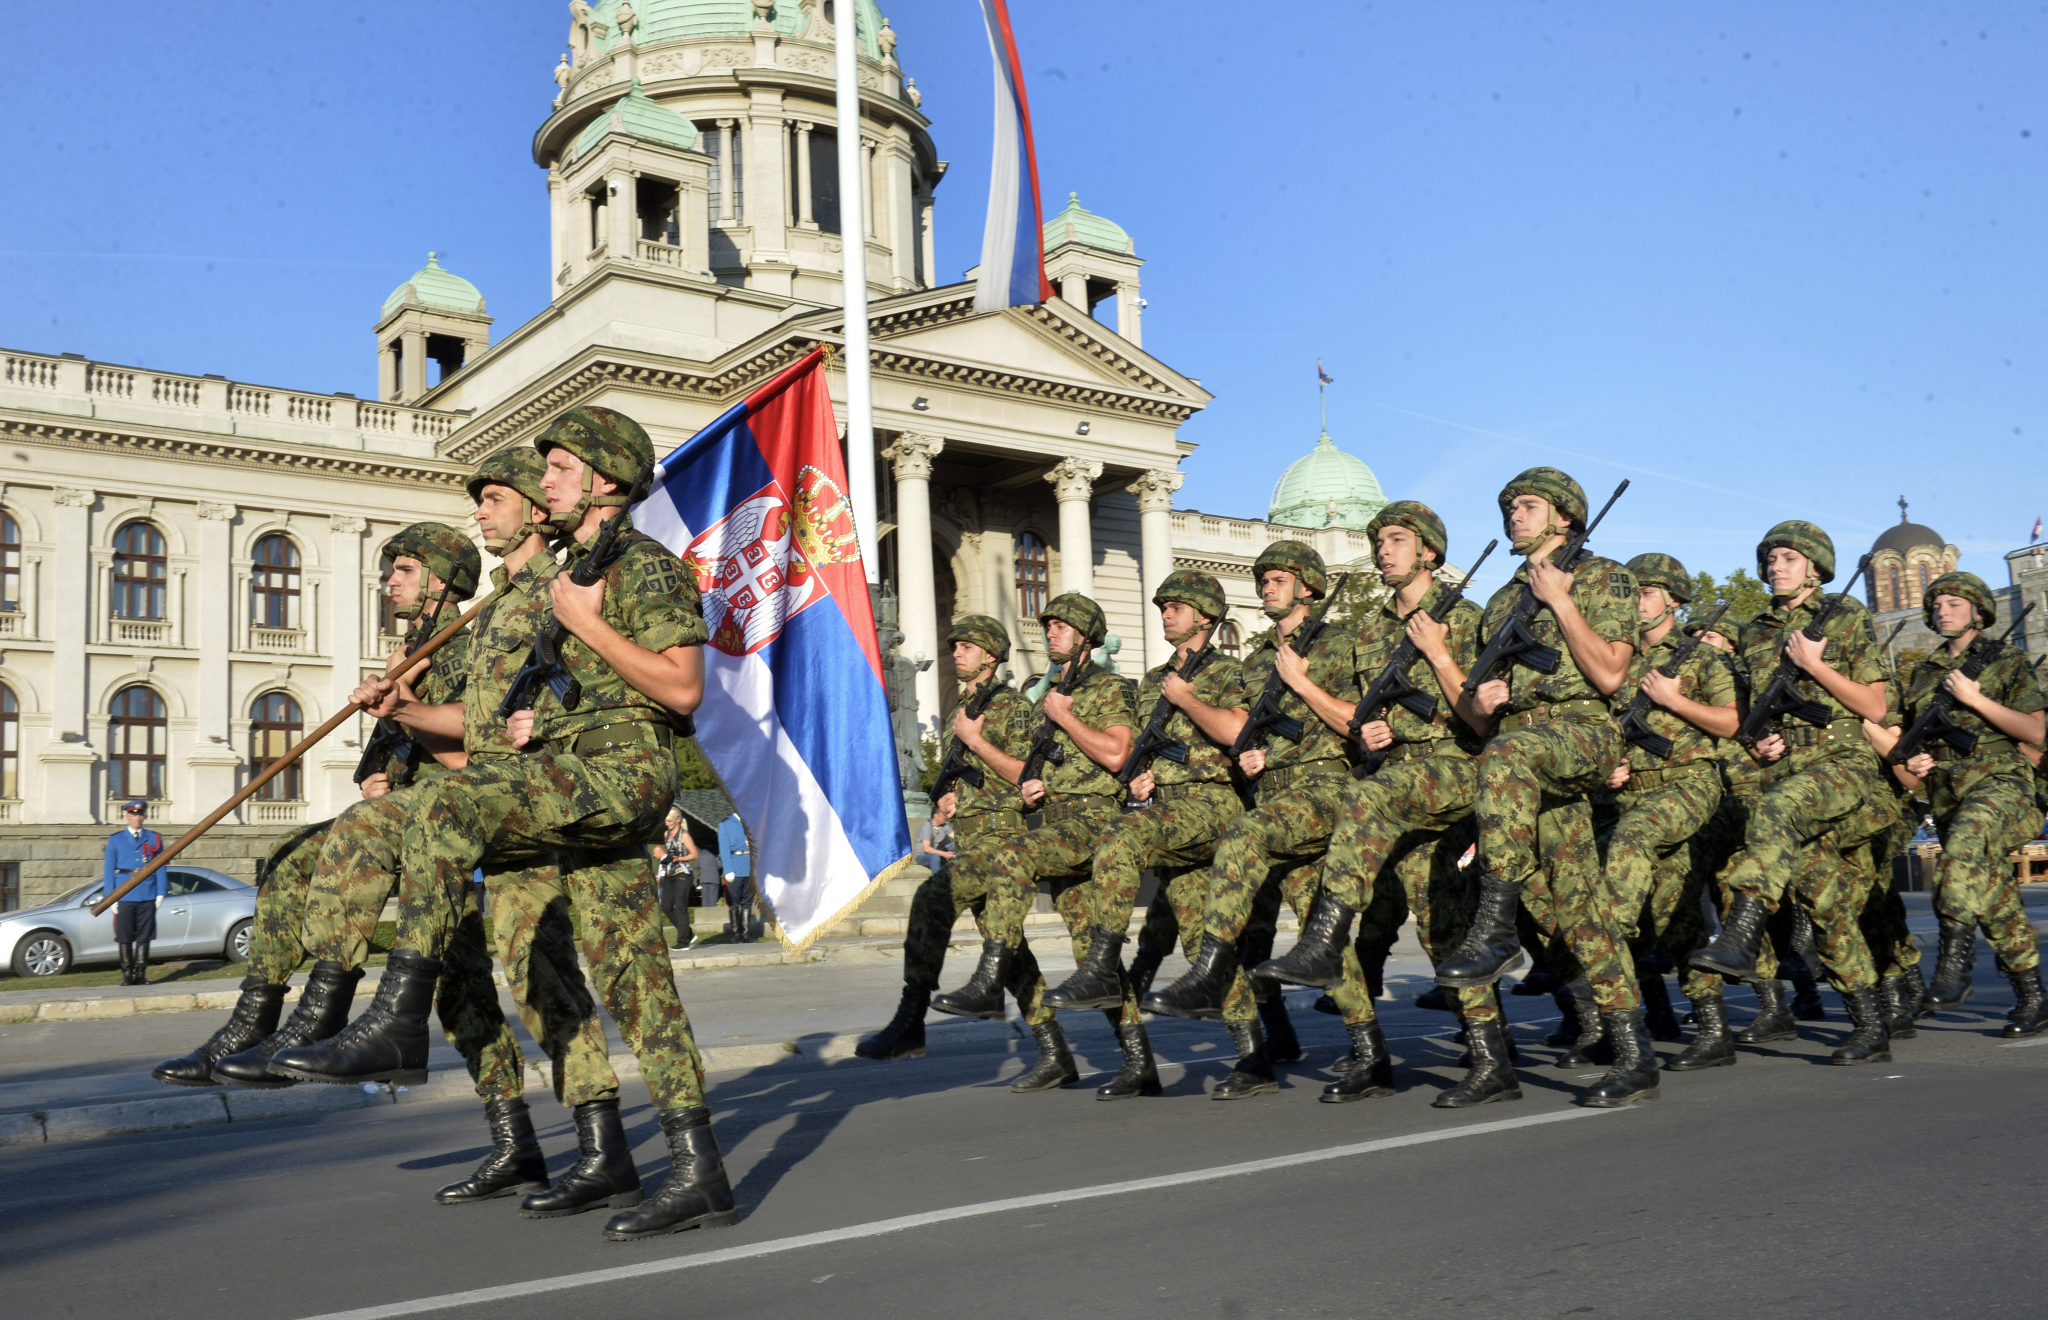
point(984, 631)
point(1661, 570)
point(1418, 518)
point(610, 444)
point(1804, 537)
point(1566, 497)
point(448, 555)
point(515, 469)
point(1297, 558)
point(1078, 612)
point(1189, 587)
point(1969, 587)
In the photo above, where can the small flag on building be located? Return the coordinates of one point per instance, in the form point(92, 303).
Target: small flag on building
point(2037, 532)
point(1012, 270)
point(1323, 377)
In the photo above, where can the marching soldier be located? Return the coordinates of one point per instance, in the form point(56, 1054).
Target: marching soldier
point(1406, 824)
point(1555, 739)
point(1816, 780)
point(1301, 788)
point(593, 782)
point(1188, 799)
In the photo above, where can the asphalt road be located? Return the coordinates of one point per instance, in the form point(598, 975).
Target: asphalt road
point(1781, 1186)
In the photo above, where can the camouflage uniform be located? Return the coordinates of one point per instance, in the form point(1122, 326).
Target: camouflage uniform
point(1404, 827)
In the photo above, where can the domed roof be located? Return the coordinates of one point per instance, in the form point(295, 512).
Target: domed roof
point(1903, 535)
point(1327, 476)
point(433, 287)
point(636, 114)
point(1078, 224)
point(682, 20)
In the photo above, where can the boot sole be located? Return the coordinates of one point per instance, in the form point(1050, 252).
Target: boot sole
point(185, 1081)
point(523, 1189)
point(616, 1201)
point(395, 1076)
point(1149, 1088)
point(881, 1056)
point(1728, 970)
point(1185, 1015)
point(1882, 1056)
point(995, 1016)
point(1771, 1039)
point(1701, 1066)
point(1246, 1093)
point(1496, 1098)
point(1050, 1086)
point(1333, 1097)
point(268, 1084)
point(716, 1219)
point(1639, 1098)
point(1514, 964)
point(1273, 971)
point(1075, 1005)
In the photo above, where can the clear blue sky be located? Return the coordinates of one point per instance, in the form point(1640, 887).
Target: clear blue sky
point(1768, 261)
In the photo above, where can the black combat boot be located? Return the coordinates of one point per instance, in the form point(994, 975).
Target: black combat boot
point(255, 1017)
point(1773, 1020)
point(1492, 1074)
point(1099, 981)
point(1539, 981)
point(1367, 1073)
point(1913, 992)
point(1317, 958)
point(1327, 1003)
point(982, 996)
point(1139, 1075)
point(903, 1038)
point(1372, 960)
point(1145, 962)
point(1807, 1004)
point(2029, 1016)
point(1282, 1045)
point(1952, 986)
point(127, 964)
point(1867, 1041)
point(1661, 1022)
point(142, 964)
point(515, 1165)
point(1633, 1078)
point(322, 1011)
point(1895, 997)
point(1566, 996)
point(1491, 948)
point(603, 1173)
point(1589, 1046)
point(694, 1195)
point(387, 1043)
point(1435, 999)
point(1199, 992)
point(1713, 1045)
point(1055, 1066)
point(1254, 1073)
point(1733, 952)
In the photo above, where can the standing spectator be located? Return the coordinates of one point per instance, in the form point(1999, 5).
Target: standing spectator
point(935, 844)
point(737, 861)
point(674, 857)
point(128, 851)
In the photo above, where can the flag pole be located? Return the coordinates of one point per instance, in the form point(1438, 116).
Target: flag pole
point(853, 248)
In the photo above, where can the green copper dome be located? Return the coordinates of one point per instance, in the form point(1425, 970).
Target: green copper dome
point(1327, 476)
point(684, 20)
point(434, 287)
point(1089, 228)
point(639, 115)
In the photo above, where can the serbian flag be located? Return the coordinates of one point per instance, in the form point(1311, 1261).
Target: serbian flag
point(1323, 377)
point(795, 719)
point(2037, 532)
point(1013, 239)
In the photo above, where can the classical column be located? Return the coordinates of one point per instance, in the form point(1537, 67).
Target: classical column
point(332, 790)
point(67, 759)
point(214, 757)
point(557, 232)
point(918, 612)
point(1073, 485)
point(727, 176)
point(867, 175)
point(1129, 316)
point(803, 175)
point(619, 229)
point(415, 366)
point(1074, 288)
point(387, 373)
point(1155, 490)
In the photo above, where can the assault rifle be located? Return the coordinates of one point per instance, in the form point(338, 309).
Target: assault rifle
point(1635, 723)
point(544, 667)
point(389, 738)
point(1934, 721)
point(1152, 740)
point(1045, 747)
point(1514, 643)
point(1393, 685)
point(1266, 714)
point(1778, 699)
point(954, 767)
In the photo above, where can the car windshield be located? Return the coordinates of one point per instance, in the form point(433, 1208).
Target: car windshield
point(80, 892)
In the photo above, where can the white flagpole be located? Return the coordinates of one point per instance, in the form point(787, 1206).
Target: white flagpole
point(853, 248)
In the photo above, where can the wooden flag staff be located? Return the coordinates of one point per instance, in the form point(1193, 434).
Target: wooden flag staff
point(407, 667)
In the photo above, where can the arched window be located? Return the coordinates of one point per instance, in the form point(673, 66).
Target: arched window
point(274, 725)
point(10, 744)
point(1925, 578)
point(140, 570)
point(10, 564)
point(136, 737)
point(274, 583)
point(1032, 573)
point(1229, 640)
point(1893, 602)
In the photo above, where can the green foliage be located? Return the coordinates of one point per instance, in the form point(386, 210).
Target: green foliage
point(1746, 598)
point(1356, 604)
point(929, 744)
point(692, 770)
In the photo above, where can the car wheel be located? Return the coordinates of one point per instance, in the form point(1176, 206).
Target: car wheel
point(42, 953)
point(239, 939)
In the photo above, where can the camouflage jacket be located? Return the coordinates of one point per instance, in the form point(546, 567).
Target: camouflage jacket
point(1376, 644)
point(1705, 677)
point(1852, 651)
point(1216, 684)
point(1741, 776)
point(2008, 680)
point(1605, 593)
point(654, 603)
point(447, 673)
point(1007, 724)
point(1330, 667)
point(1102, 700)
point(502, 637)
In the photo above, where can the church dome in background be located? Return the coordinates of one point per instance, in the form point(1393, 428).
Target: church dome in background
point(659, 21)
point(433, 287)
point(1327, 488)
point(1904, 560)
point(1078, 224)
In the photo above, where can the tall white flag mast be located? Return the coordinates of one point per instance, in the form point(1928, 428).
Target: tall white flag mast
point(853, 249)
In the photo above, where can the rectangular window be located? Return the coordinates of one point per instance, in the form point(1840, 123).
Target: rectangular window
point(10, 564)
point(10, 887)
point(825, 180)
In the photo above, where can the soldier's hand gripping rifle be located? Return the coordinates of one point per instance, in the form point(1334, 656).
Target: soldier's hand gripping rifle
point(1266, 716)
point(1152, 740)
point(1393, 684)
point(1045, 747)
point(1934, 721)
point(954, 767)
point(1514, 643)
point(1635, 722)
point(544, 667)
point(390, 738)
point(1780, 698)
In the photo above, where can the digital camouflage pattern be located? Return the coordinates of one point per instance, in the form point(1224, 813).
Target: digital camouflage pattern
point(282, 878)
point(615, 893)
point(448, 554)
point(1564, 494)
point(1650, 865)
point(1805, 538)
point(1706, 677)
point(1418, 518)
point(1079, 612)
point(1963, 586)
point(1331, 667)
point(501, 638)
point(357, 870)
point(985, 631)
point(1852, 651)
point(1178, 834)
point(2008, 680)
point(1218, 683)
point(1383, 634)
point(534, 938)
point(1974, 883)
point(1102, 700)
point(1189, 587)
point(1298, 558)
point(1605, 594)
point(1007, 723)
point(937, 906)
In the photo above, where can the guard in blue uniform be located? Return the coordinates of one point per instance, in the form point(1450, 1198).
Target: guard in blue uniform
point(128, 851)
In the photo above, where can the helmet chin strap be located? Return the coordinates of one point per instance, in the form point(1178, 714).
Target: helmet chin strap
point(1808, 583)
point(502, 545)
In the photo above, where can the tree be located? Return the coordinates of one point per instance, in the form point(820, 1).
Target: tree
point(692, 770)
point(1745, 596)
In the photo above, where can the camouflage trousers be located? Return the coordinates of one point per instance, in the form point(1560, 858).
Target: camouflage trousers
point(357, 870)
point(1536, 831)
point(1974, 883)
point(282, 881)
point(1396, 852)
point(936, 907)
point(1653, 878)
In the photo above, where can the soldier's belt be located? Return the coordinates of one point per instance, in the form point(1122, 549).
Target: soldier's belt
point(1577, 707)
point(1837, 731)
point(1281, 777)
point(1664, 776)
point(1408, 751)
point(1001, 823)
point(1191, 789)
point(624, 734)
point(1072, 808)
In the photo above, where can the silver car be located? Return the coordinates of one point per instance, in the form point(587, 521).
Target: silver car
point(205, 915)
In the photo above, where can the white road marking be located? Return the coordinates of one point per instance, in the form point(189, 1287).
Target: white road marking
point(879, 1227)
point(2022, 1044)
